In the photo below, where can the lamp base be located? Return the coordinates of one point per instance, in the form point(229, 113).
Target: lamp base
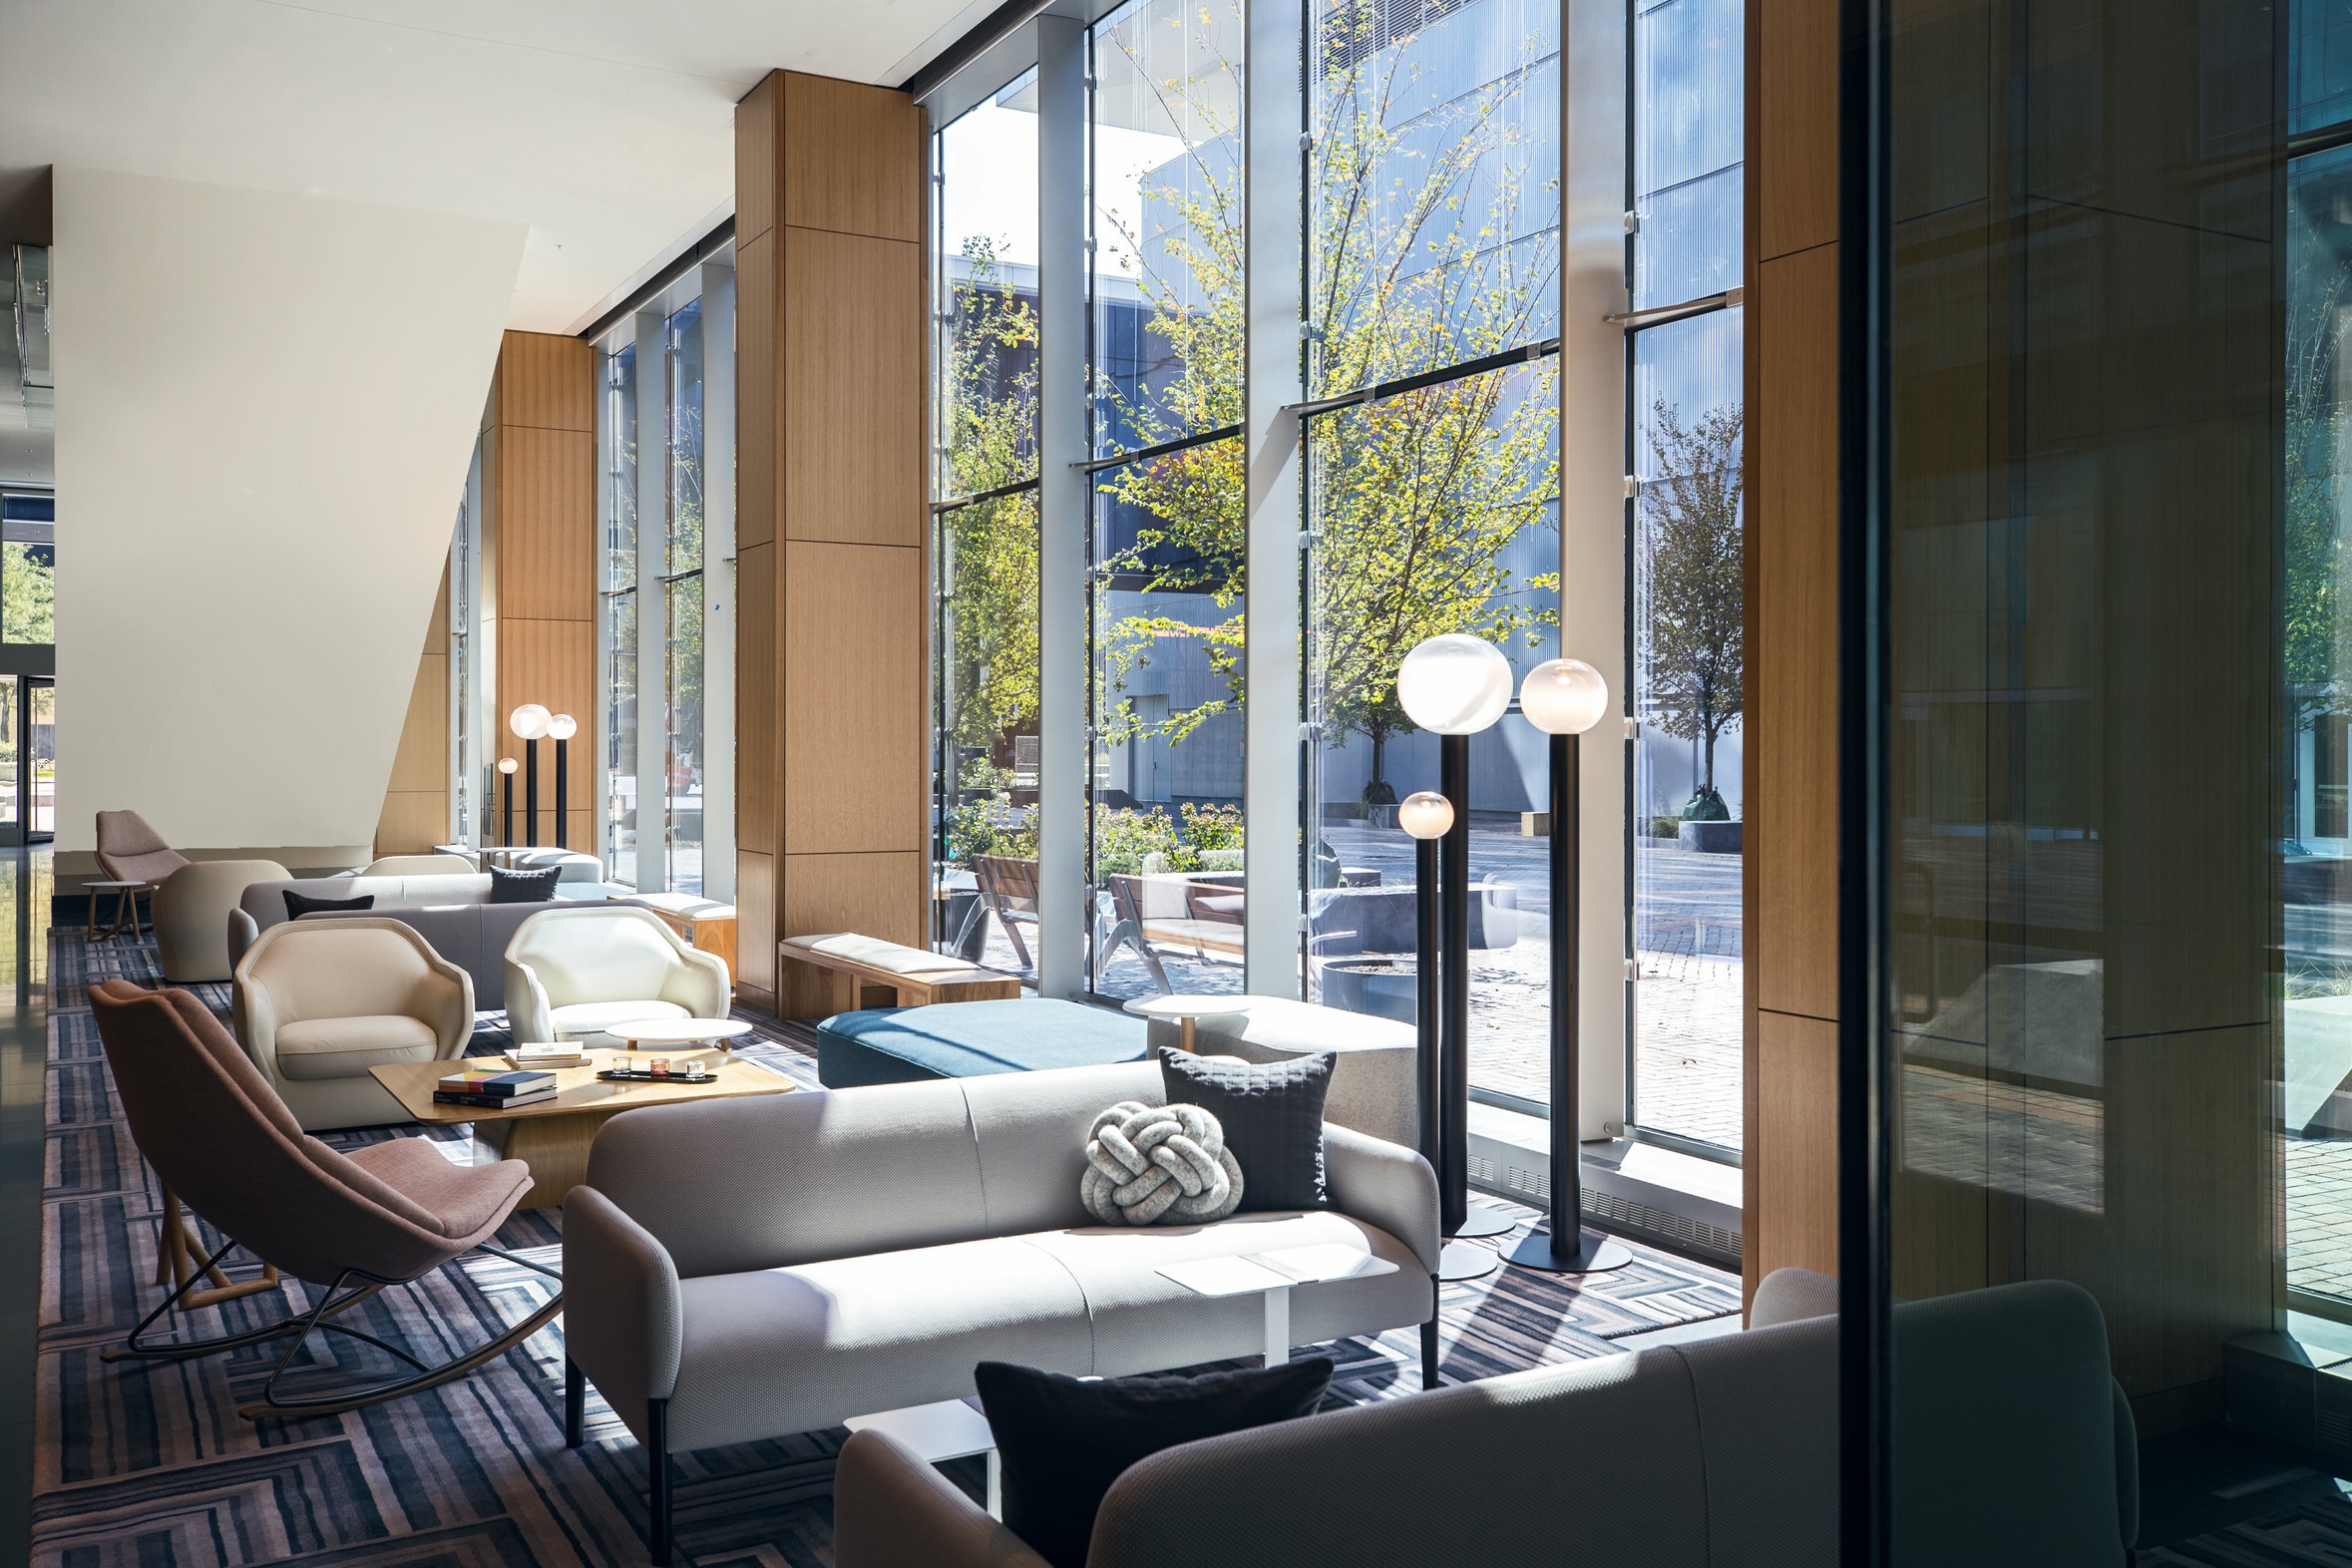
point(1458, 1262)
point(1484, 1220)
point(1593, 1254)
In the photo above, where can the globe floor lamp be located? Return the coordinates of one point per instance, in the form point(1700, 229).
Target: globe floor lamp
point(506, 826)
point(529, 722)
point(1427, 817)
point(562, 726)
point(1455, 685)
point(1564, 697)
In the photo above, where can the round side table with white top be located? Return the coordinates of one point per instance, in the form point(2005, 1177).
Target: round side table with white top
point(679, 1032)
point(1185, 1009)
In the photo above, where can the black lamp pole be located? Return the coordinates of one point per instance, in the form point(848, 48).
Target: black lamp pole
point(1456, 1214)
point(531, 792)
point(1568, 1248)
point(506, 826)
point(563, 777)
point(1427, 1077)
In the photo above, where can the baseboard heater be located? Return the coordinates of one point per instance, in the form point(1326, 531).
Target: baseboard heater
point(1510, 1158)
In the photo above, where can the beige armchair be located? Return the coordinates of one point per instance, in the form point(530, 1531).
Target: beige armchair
point(319, 1002)
point(574, 972)
point(131, 851)
point(191, 912)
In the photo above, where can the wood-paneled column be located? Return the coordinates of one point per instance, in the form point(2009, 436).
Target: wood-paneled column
point(830, 574)
point(538, 564)
point(1791, 892)
point(415, 801)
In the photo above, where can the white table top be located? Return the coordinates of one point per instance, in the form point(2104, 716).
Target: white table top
point(949, 1429)
point(102, 886)
point(1194, 1005)
point(1276, 1270)
point(679, 1032)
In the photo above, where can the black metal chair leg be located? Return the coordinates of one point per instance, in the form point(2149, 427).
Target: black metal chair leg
point(575, 1402)
point(658, 1478)
point(1429, 1354)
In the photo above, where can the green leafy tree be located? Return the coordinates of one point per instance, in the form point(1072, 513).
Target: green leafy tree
point(1415, 496)
point(1697, 628)
point(28, 597)
point(990, 427)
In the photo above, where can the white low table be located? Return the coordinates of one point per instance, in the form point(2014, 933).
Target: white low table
point(1273, 1274)
point(949, 1429)
point(679, 1032)
point(1185, 1008)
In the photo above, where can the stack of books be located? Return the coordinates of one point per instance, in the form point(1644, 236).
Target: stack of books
point(495, 1090)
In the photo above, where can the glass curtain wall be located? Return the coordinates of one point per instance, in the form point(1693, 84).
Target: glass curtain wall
point(1685, 634)
point(620, 504)
point(683, 603)
point(985, 530)
point(1432, 271)
point(1167, 549)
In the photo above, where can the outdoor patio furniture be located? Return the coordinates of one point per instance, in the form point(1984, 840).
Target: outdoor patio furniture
point(1009, 890)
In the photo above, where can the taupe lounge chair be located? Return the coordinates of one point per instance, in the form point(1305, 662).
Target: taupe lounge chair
point(226, 1147)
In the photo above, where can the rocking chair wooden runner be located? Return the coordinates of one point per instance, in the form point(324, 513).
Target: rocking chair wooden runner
point(226, 1147)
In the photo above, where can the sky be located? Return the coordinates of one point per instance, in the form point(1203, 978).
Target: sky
point(990, 160)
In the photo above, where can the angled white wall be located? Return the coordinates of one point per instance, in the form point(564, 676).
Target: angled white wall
point(265, 407)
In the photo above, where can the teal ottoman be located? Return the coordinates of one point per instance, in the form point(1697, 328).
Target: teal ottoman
point(967, 1040)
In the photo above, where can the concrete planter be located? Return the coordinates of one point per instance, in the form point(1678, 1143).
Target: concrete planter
point(1384, 988)
point(1709, 838)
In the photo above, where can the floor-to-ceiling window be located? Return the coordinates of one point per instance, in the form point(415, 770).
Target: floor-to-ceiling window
point(1167, 549)
point(1432, 283)
point(618, 634)
point(1686, 632)
point(985, 527)
point(683, 755)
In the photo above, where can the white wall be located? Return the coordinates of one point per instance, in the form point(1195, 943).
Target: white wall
point(265, 406)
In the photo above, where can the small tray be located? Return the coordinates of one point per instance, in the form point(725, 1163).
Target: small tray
point(695, 1075)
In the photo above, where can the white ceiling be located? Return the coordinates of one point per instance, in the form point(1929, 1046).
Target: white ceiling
point(606, 125)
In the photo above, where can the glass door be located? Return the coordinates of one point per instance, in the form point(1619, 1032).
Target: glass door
point(36, 765)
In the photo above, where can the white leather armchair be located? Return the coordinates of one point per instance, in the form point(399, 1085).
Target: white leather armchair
point(319, 1002)
point(574, 972)
point(190, 909)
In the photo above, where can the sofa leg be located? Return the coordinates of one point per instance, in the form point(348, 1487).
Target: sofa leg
point(575, 1402)
point(657, 1479)
point(1429, 1354)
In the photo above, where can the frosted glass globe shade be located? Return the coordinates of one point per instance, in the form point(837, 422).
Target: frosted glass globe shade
point(529, 722)
point(562, 726)
point(506, 764)
point(1456, 684)
point(1426, 814)
point(1564, 696)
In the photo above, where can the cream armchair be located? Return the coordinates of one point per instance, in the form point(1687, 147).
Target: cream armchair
point(319, 1002)
point(190, 911)
point(574, 972)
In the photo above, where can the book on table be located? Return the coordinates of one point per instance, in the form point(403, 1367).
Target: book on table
point(494, 1101)
point(496, 1085)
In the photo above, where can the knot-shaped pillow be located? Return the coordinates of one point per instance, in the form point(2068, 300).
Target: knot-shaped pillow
point(1151, 1163)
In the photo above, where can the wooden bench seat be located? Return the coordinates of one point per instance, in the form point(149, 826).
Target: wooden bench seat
point(849, 984)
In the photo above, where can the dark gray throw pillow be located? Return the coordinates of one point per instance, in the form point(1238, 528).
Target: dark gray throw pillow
point(1062, 1442)
point(523, 887)
point(1273, 1120)
point(297, 905)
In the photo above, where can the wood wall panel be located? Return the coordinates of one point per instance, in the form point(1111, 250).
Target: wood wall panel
point(549, 661)
point(830, 574)
point(853, 667)
point(415, 814)
point(853, 374)
point(853, 160)
point(759, 436)
point(1794, 1178)
point(547, 382)
point(1792, 725)
point(1792, 143)
point(547, 487)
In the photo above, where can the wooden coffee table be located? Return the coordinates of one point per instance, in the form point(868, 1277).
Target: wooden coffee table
point(553, 1136)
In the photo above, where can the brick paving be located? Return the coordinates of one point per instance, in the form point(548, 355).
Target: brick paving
point(1686, 1002)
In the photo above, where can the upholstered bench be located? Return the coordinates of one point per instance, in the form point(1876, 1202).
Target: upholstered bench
point(969, 1039)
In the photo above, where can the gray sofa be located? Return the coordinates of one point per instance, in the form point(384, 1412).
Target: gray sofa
point(736, 1270)
point(1719, 1453)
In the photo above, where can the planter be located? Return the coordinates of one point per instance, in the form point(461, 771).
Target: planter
point(1384, 988)
point(1709, 838)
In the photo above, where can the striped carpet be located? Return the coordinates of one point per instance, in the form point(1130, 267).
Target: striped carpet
point(149, 1466)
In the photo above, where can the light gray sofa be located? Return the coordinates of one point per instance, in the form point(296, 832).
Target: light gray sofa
point(736, 1270)
point(2020, 1452)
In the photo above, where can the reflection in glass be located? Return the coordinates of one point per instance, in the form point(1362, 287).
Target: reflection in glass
point(621, 617)
point(682, 588)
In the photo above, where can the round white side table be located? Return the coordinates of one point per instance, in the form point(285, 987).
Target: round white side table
point(1185, 1009)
